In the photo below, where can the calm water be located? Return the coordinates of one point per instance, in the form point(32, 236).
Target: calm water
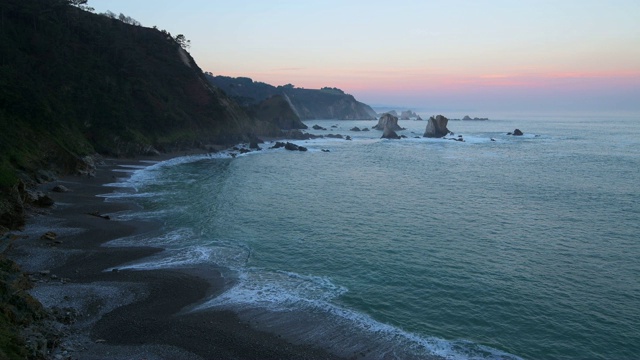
point(523, 247)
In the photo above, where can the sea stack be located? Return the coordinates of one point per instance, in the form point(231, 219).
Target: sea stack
point(388, 121)
point(437, 127)
point(389, 134)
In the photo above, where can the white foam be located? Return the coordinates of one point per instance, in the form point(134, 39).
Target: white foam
point(276, 290)
point(287, 291)
point(177, 258)
point(177, 236)
point(182, 248)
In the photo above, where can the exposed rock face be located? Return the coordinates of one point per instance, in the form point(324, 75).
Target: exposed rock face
point(516, 132)
point(408, 114)
point(467, 117)
point(389, 134)
point(294, 147)
point(60, 189)
point(392, 112)
point(437, 127)
point(388, 121)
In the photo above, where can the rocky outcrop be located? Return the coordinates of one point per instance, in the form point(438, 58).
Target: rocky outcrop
point(468, 118)
point(288, 146)
point(408, 114)
point(392, 112)
point(389, 134)
point(387, 121)
point(437, 127)
point(516, 132)
point(299, 135)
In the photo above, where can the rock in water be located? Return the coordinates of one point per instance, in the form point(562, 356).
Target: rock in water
point(388, 121)
point(436, 127)
point(517, 132)
point(389, 134)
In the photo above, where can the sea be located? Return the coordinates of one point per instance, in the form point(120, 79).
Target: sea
point(495, 247)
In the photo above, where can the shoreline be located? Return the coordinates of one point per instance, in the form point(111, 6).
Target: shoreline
point(129, 313)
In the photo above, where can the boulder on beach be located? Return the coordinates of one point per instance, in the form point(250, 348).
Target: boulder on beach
point(388, 121)
point(436, 127)
point(60, 189)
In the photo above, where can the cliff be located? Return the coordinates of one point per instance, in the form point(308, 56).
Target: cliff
point(73, 83)
point(325, 103)
point(276, 113)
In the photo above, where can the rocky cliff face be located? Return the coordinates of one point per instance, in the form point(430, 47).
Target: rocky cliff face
point(326, 103)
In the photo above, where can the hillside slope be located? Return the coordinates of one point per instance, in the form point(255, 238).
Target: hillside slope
point(73, 83)
point(309, 104)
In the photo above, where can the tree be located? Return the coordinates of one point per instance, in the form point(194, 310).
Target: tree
point(182, 41)
point(81, 4)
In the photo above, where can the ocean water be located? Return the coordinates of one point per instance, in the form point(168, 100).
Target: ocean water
point(523, 247)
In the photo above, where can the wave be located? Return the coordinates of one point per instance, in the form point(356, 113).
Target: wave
point(304, 308)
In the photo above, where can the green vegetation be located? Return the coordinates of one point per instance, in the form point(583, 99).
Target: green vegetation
point(17, 310)
point(276, 112)
point(332, 90)
point(325, 103)
point(73, 83)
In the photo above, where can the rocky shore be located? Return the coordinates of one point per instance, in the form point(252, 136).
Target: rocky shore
point(124, 314)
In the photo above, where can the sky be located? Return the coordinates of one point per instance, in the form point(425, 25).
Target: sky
point(482, 55)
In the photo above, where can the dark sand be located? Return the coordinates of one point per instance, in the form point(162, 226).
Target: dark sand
point(128, 314)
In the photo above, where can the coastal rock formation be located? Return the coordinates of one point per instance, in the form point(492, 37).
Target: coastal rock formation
point(516, 132)
point(467, 117)
point(60, 189)
point(299, 135)
point(294, 147)
point(387, 121)
point(437, 127)
point(389, 134)
point(408, 114)
point(392, 112)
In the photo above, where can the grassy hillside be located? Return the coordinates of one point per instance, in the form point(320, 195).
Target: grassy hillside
point(325, 103)
point(73, 83)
